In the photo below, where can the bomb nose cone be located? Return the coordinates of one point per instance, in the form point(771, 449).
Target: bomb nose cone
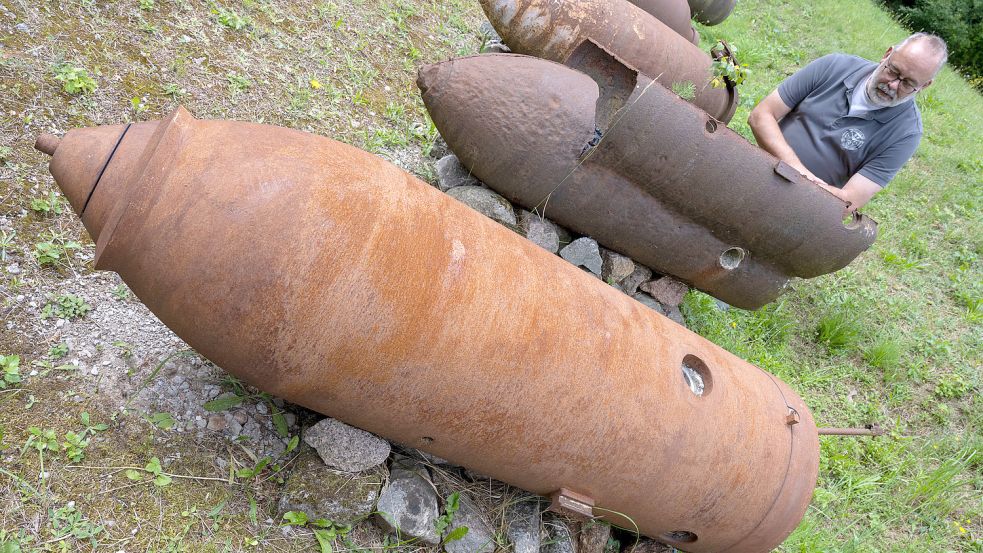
point(79, 158)
point(47, 143)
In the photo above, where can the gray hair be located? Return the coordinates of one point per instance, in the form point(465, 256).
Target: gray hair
point(933, 44)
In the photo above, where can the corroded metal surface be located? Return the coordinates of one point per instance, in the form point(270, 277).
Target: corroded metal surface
point(711, 12)
point(329, 277)
point(674, 13)
point(570, 31)
point(660, 181)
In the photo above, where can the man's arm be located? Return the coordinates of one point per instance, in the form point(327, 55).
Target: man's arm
point(856, 192)
point(764, 120)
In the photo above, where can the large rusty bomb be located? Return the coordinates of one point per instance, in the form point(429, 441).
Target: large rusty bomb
point(331, 278)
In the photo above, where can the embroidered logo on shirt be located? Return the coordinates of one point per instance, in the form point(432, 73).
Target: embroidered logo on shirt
point(852, 138)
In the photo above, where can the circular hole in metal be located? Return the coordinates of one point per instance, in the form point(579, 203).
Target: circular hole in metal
point(711, 125)
point(696, 375)
point(679, 536)
point(851, 220)
point(427, 440)
point(732, 257)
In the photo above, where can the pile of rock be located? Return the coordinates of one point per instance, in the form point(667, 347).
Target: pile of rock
point(351, 476)
point(661, 293)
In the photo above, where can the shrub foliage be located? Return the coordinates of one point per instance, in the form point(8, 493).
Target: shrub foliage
point(959, 22)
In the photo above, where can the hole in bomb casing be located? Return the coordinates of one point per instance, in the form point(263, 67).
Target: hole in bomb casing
point(696, 375)
point(731, 258)
point(679, 536)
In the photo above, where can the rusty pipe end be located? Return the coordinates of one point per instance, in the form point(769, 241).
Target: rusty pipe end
point(47, 143)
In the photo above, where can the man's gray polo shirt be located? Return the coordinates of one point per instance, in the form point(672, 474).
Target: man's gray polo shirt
point(830, 143)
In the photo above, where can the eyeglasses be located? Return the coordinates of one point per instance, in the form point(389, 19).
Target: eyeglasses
point(906, 85)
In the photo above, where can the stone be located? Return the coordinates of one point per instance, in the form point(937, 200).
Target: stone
point(408, 503)
point(559, 537)
point(480, 537)
point(522, 526)
point(584, 252)
point(345, 447)
point(321, 492)
point(646, 545)
point(676, 315)
point(615, 267)
point(721, 305)
point(22, 27)
point(439, 148)
point(486, 202)
point(216, 423)
point(451, 174)
point(630, 284)
point(539, 231)
point(648, 301)
point(666, 290)
point(594, 537)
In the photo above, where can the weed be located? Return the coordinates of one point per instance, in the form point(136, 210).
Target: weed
point(138, 105)
point(952, 386)
point(69, 522)
point(121, 292)
point(6, 243)
point(5, 153)
point(174, 91)
point(125, 348)
point(65, 306)
point(444, 521)
point(42, 440)
point(47, 205)
point(237, 83)
point(685, 90)
point(883, 354)
point(11, 370)
point(726, 69)
point(325, 531)
point(162, 420)
point(837, 331)
point(54, 251)
point(146, 5)
point(58, 350)
point(75, 443)
point(230, 19)
point(153, 471)
point(74, 80)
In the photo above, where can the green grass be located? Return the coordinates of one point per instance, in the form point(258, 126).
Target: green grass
point(895, 338)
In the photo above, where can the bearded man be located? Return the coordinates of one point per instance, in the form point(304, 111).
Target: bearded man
point(849, 124)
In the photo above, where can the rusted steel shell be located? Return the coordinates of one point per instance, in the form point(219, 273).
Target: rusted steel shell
point(329, 277)
point(561, 31)
point(711, 12)
point(665, 184)
point(674, 13)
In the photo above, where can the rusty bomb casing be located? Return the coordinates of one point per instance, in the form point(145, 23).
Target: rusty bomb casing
point(647, 175)
point(573, 31)
point(329, 277)
point(674, 13)
point(711, 12)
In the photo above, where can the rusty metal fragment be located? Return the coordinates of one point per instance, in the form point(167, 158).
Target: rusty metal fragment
point(711, 12)
point(674, 13)
point(329, 277)
point(581, 33)
point(643, 172)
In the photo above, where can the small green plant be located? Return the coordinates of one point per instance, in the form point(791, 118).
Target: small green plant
point(326, 531)
point(65, 306)
point(42, 440)
point(952, 386)
point(153, 471)
point(837, 331)
point(76, 442)
point(125, 348)
point(54, 251)
point(255, 470)
point(174, 91)
point(6, 243)
point(138, 105)
point(725, 68)
point(451, 505)
point(237, 83)
point(5, 153)
point(162, 420)
point(121, 292)
point(883, 354)
point(11, 370)
point(230, 19)
point(685, 90)
point(74, 80)
point(68, 522)
point(146, 5)
point(58, 350)
point(47, 204)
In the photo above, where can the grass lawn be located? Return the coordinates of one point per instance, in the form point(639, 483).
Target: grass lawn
point(894, 339)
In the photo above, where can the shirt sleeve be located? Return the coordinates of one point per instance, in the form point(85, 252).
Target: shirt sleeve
point(882, 168)
point(795, 88)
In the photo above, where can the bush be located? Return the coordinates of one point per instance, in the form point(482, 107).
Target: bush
point(959, 22)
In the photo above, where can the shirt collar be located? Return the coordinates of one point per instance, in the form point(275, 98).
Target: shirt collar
point(882, 115)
